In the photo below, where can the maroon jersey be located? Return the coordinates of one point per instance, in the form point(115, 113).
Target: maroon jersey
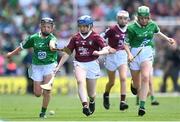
point(115, 37)
point(84, 47)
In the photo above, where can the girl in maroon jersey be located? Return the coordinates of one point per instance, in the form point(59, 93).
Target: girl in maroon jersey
point(86, 66)
point(118, 61)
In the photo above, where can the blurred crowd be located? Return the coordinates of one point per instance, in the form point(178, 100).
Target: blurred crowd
point(20, 18)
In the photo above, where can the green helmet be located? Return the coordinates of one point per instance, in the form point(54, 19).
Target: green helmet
point(143, 11)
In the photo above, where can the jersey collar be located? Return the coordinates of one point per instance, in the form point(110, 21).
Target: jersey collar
point(122, 29)
point(40, 35)
point(84, 37)
point(140, 25)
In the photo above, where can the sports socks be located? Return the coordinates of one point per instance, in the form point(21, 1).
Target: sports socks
point(91, 99)
point(43, 110)
point(84, 104)
point(142, 103)
point(152, 98)
point(123, 97)
point(106, 93)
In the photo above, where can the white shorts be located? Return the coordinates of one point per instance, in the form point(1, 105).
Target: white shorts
point(113, 61)
point(92, 68)
point(145, 55)
point(37, 72)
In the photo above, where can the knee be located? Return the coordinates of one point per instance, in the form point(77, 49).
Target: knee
point(145, 79)
point(37, 94)
point(123, 79)
point(79, 82)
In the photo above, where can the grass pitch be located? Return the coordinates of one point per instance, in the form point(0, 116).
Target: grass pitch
point(68, 108)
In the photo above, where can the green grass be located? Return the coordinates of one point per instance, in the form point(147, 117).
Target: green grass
point(68, 108)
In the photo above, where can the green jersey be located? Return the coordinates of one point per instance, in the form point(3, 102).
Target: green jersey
point(138, 36)
point(42, 54)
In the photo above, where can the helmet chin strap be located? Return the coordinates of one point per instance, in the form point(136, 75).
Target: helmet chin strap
point(121, 26)
point(89, 28)
point(45, 33)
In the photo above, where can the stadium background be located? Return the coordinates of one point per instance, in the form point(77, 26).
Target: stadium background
point(20, 18)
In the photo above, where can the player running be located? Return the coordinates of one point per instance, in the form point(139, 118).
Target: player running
point(86, 66)
point(139, 38)
point(44, 59)
point(118, 60)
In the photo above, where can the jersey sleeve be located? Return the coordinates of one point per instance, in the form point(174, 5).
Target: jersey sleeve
point(107, 33)
point(157, 29)
point(100, 41)
point(54, 39)
point(70, 47)
point(27, 43)
point(129, 36)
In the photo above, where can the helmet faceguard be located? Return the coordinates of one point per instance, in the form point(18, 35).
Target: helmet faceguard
point(85, 20)
point(47, 20)
point(44, 21)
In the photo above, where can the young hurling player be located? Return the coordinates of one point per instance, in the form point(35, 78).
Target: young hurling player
point(86, 66)
point(139, 38)
point(44, 59)
point(118, 60)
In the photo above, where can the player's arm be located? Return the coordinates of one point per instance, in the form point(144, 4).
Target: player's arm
point(105, 50)
point(53, 47)
point(128, 38)
point(14, 52)
point(130, 56)
point(64, 58)
point(164, 37)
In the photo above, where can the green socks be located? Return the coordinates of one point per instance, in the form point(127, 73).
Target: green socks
point(91, 99)
point(142, 103)
point(43, 110)
point(152, 98)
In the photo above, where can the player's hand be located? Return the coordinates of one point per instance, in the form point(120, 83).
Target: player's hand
point(56, 70)
point(130, 58)
point(95, 53)
point(171, 41)
point(8, 55)
point(112, 50)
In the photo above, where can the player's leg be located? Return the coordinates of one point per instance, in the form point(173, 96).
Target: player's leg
point(47, 75)
point(35, 72)
point(37, 76)
point(123, 75)
point(135, 72)
point(80, 74)
point(37, 93)
point(46, 97)
point(109, 85)
point(136, 81)
point(151, 90)
point(111, 66)
point(144, 89)
point(93, 72)
point(91, 90)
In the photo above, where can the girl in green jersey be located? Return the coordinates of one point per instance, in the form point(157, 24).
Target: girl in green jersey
point(44, 59)
point(139, 37)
